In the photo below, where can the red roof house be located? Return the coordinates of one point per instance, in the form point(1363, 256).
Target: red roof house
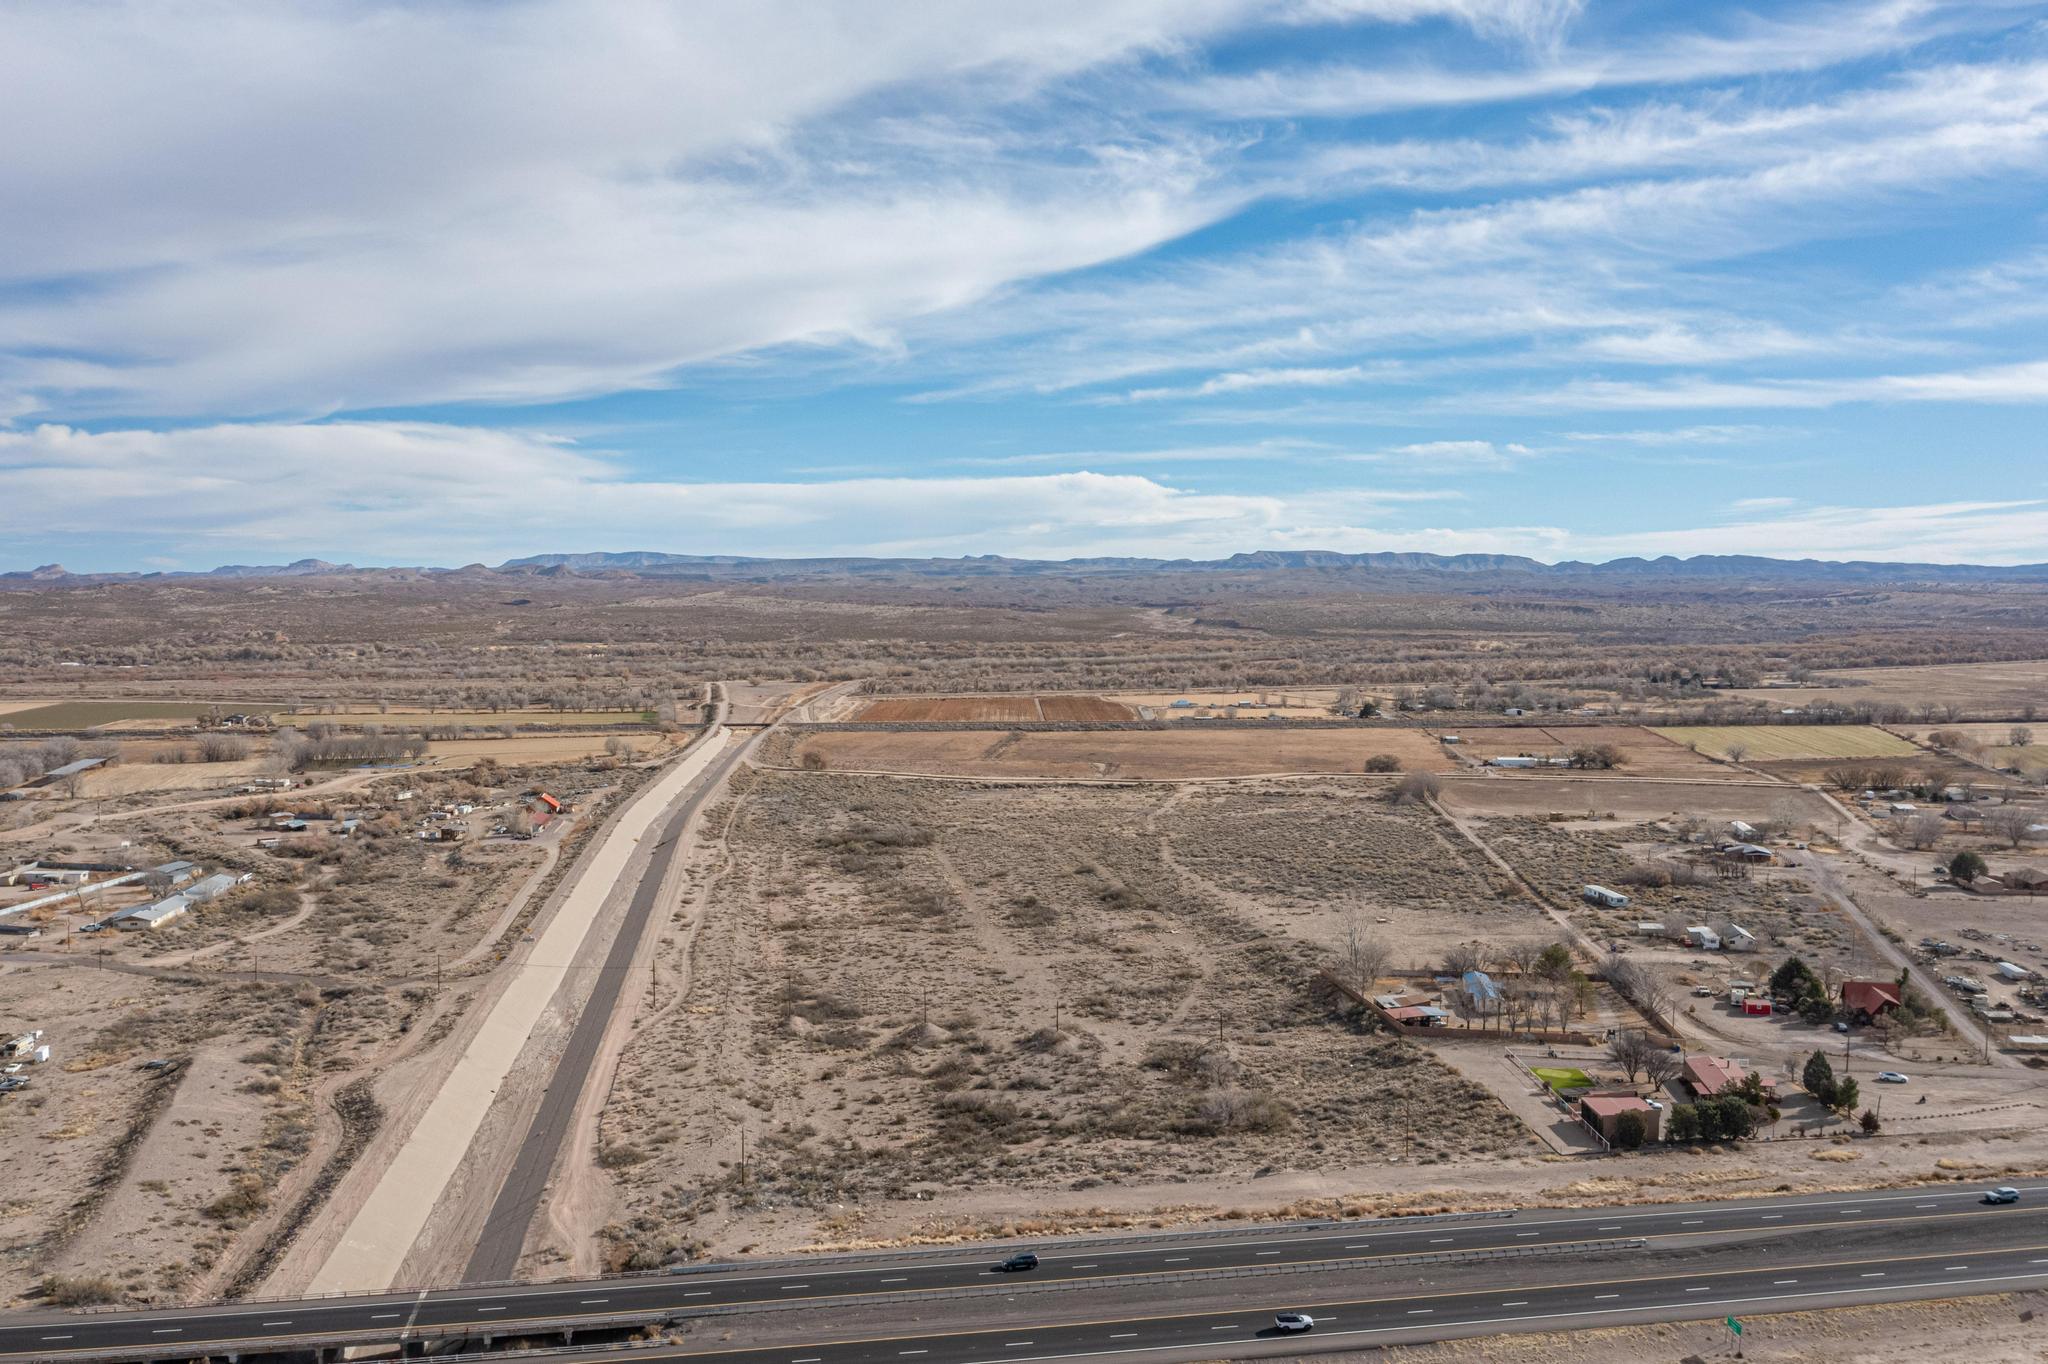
point(1868, 999)
point(1710, 1074)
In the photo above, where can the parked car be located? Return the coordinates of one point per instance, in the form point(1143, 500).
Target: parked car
point(1840, 1026)
point(1891, 1077)
point(2005, 1193)
point(1294, 1321)
point(1023, 1259)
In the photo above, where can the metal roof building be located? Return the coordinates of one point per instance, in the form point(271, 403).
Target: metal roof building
point(153, 915)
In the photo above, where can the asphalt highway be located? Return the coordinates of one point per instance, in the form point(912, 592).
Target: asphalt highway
point(1353, 1322)
point(1850, 1229)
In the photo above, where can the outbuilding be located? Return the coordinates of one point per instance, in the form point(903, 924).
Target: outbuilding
point(1602, 1113)
point(152, 916)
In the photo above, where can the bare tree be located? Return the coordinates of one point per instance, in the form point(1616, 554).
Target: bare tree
point(1462, 958)
point(2019, 736)
point(1523, 954)
point(1736, 752)
point(1661, 1067)
point(1416, 787)
point(1630, 1049)
point(1918, 831)
point(1361, 957)
point(2013, 823)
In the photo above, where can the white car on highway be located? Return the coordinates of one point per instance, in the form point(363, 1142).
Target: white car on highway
point(1294, 1321)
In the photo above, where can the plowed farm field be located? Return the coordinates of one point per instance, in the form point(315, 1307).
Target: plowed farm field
point(1146, 755)
point(926, 710)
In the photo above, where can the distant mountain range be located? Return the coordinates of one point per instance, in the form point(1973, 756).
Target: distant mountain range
point(653, 564)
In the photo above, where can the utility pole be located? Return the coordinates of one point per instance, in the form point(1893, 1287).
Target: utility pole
point(743, 1153)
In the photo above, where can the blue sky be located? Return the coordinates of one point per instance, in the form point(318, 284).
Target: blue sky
point(434, 283)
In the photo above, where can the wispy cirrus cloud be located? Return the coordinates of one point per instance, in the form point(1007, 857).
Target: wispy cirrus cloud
point(1448, 456)
point(1730, 433)
point(2022, 383)
point(961, 257)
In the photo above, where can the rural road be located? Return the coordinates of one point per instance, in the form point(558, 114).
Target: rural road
point(1106, 1295)
point(496, 1257)
point(396, 1209)
point(1966, 1027)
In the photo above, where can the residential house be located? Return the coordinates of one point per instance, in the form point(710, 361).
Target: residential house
point(1705, 1075)
point(1867, 1000)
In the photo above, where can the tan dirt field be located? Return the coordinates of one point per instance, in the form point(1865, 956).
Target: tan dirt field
point(1303, 703)
point(538, 748)
point(1151, 755)
point(1631, 799)
point(476, 719)
point(1646, 753)
point(1002, 709)
point(1977, 687)
point(132, 778)
point(1792, 743)
point(1991, 740)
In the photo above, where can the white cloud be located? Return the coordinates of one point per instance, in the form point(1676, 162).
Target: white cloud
point(1246, 381)
point(1947, 532)
point(231, 206)
point(1822, 36)
point(1427, 457)
point(2024, 382)
point(1259, 451)
point(386, 489)
point(1727, 433)
point(1764, 503)
point(381, 491)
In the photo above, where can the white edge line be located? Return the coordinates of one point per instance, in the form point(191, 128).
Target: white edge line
point(1538, 1316)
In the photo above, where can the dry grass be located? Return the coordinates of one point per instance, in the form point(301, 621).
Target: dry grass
point(1644, 752)
point(2005, 687)
point(1791, 743)
point(1157, 755)
point(1001, 709)
point(874, 991)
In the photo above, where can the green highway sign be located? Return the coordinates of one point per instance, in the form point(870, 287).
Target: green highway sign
point(1735, 1326)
